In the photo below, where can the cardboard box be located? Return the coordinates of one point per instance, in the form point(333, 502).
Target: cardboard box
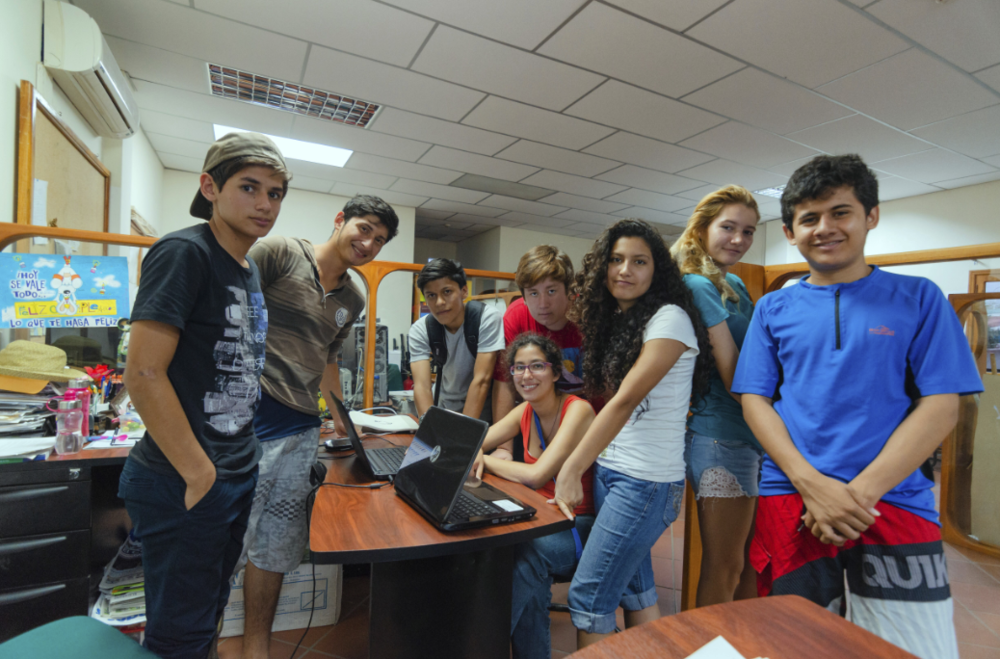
point(295, 601)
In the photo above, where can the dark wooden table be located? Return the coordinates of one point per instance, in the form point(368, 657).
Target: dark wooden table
point(780, 627)
point(432, 593)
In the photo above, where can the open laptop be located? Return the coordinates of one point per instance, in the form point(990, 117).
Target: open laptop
point(433, 474)
point(380, 462)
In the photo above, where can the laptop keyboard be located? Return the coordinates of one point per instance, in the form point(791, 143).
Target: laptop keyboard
point(386, 460)
point(468, 506)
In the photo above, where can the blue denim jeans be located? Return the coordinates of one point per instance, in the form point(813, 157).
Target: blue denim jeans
point(536, 563)
point(733, 466)
point(188, 556)
point(616, 567)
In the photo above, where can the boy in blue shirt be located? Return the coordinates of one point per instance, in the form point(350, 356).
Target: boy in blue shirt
point(850, 380)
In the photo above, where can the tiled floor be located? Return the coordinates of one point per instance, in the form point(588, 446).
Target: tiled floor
point(975, 587)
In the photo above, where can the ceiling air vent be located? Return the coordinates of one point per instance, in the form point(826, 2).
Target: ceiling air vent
point(290, 97)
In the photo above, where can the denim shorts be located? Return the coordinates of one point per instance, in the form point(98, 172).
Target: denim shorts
point(732, 466)
point(616, 567)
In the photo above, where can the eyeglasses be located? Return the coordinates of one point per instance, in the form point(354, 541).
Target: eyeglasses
point(536, 367)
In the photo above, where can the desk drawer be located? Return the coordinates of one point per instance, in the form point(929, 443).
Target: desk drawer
point(43, 558)
point(22, 609)
point(37, 509)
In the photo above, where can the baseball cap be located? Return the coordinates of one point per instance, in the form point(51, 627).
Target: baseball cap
point(236, 145)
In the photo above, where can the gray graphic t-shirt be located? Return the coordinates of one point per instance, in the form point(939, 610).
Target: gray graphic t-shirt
point(189, 281)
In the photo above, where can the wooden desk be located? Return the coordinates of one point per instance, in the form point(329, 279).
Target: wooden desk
point(432, 593)
point(780, 627)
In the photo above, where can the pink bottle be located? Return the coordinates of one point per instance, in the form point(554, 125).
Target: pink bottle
point(79, 389)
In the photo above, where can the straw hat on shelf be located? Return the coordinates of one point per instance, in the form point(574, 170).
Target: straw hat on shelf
point(26, 367)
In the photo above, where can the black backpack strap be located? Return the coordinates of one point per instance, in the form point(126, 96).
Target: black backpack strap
point(439, 351)
point(473, 319)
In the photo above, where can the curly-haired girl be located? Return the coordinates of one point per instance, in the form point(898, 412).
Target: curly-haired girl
point(723, 457)
point(645, 350)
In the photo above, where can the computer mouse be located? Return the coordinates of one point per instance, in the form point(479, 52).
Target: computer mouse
point(337, 444)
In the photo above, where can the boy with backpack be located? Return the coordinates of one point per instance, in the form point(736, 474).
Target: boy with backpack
point(460, 340)
point(850, 380)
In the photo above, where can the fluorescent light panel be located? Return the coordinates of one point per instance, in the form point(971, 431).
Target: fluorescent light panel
point(771, 192)
point(297, 149)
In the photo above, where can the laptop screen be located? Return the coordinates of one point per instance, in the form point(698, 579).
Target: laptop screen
point(439, 458)
point(359, 449)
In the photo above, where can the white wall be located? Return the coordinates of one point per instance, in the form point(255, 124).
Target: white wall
point(425, 249)
point(951, 218)
point(147, 180)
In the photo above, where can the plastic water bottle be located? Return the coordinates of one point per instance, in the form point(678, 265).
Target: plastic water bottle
point(69, 418)
point(79, 389)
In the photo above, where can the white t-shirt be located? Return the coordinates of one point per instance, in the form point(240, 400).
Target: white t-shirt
point(651, 445)
point(460, 367)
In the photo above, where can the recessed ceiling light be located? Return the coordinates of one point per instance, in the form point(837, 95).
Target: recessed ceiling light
point(297, 149)
point(771, 192)
point(289, 96)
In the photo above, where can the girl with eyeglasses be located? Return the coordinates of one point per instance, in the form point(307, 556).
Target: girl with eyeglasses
point(645, 351)
point(550, 424)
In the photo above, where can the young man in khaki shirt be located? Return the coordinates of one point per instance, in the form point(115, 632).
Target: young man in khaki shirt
point(312, 305)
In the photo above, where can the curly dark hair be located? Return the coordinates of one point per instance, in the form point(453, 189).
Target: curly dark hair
point(552, 353)
point(612, 339)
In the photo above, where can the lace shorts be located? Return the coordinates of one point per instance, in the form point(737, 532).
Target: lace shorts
point(721, 468)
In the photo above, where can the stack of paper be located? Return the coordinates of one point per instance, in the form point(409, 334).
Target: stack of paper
point(19, 449)
point(122, 601)
point(717, 648)
point(23, 414)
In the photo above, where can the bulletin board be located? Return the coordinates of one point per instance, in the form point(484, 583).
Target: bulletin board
point(60, 182)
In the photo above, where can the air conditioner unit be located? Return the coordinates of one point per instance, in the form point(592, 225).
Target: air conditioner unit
point(80, 61)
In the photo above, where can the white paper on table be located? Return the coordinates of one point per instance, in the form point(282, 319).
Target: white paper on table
point(16, 446)
point(717, 648)
point(39, 208)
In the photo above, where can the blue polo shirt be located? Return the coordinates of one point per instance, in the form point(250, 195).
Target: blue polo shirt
point(845, 365)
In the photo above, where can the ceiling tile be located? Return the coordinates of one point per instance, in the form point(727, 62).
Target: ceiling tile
point(648, 199)
point(858, 134)
point(639, 111)
point(521, 205)
point(678, 15)
point(168, 124)
point(699, 193)
point(651, 215)
point(356, 139)
point(527, 220)
point(933, 165)
point(203, 107)
point(178, 146)
point(424, 213)
point(144, 62)
point(937, 26)
point(725, 172)
point(767, 102)
point(644, 54)
point(576, 229)
point(419, 127)
point(577, 215)
point(975, 134)
point(341, 73)
point(750, 146)
point(183, 163)
point(583, 203)
point(393, 167)
point(438, 191)
point(788, 168)
point(310, 184)
point(909, 90)
point(648, 179)
point(512, 118)
point(396, 40)
point(331, 173)
point(561, 160)
point(502, 221)
point(645, 152)
point(897, 188)
point(522, 23)
point(473, 163)
point(578, 185)
point(791, 39)
point(969, 180)
point(993, 160)
point(991, 77)
point(459, 207)
point(498, 69)
point(197, 34)
point(392, 197)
